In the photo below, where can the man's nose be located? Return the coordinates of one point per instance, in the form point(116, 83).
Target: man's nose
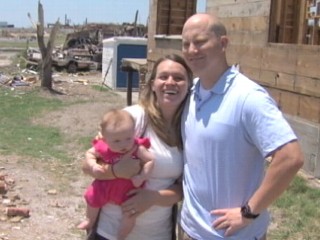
point(192, 48)
point(170, 80)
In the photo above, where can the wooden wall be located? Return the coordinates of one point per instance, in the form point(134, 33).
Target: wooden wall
point(290, 72)
point(164, 39)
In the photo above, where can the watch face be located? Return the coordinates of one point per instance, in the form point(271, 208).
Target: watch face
point(246, 212)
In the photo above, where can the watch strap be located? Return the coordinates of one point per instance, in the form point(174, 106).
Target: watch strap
point(246, 212)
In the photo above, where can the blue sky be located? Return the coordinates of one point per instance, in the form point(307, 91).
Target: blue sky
point(98, 11)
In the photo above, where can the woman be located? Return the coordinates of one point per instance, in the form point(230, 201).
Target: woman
point(157, 117)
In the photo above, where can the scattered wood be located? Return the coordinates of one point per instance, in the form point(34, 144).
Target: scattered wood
point(17, 211)
point(3, 187)
point(10, 200)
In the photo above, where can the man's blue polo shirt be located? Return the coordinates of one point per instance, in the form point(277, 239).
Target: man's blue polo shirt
point(226, 138)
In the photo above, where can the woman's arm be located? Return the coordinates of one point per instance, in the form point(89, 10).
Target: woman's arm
point(143, 199)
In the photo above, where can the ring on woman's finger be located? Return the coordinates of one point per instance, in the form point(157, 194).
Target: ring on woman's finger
point(133, 211)
point(224, 225)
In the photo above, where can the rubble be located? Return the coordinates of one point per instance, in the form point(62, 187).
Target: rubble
point(16, 211)
point(11, 200)
point(18, 80)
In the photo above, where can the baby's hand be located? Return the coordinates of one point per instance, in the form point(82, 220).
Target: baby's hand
point(98, 169)
point(137, 180)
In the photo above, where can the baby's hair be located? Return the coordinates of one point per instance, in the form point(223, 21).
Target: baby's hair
point(115, 118)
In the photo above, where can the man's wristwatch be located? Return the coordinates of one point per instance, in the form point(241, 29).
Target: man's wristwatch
point(246, 212)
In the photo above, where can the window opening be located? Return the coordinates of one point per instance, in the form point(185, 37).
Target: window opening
point(295, 21)
point(172, 14)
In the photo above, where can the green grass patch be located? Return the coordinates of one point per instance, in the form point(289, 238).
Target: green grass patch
point(85, 142)
point(18, 44)
point(19, 135)
point(298, 211)
point(102, 88)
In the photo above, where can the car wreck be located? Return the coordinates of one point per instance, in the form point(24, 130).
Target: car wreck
point(82, 49)
point(79, 52)
point(72, 60)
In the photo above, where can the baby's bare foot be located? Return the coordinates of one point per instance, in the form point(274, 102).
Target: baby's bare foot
point(85, 225)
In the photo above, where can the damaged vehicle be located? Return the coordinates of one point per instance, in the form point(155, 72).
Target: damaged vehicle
point(72, 60)
point(33, 58)
point(81, 51)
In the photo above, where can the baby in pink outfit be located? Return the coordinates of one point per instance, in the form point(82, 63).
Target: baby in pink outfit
point(117, 129)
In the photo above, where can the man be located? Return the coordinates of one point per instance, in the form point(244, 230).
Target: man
point(229, 127)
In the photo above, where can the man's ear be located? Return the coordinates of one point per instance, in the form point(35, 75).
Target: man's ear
point(224, 41)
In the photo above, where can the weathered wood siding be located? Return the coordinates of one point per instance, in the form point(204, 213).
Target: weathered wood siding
point(166, 38)
point(290, 72)
point(290, 68)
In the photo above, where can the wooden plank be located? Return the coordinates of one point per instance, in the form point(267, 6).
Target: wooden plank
point(289, 103)
point(162, 29)
point(135, 63)
point(255, 23)
point(177, 10)
point(249, 56)
point(171, 44)
point(309, 108)
point(274, 93)
point(280, 59)
point(252, 73)
point(285, 81)
point(163, 3)
point(301, 23)
point(232, 61)
point(182, 3)
point(308, 61)
point(248, 38)
point(267, 78)
point(234, 51)
point(175, 30)
point(308, 86)
point(274, 13)
point(239, 8)
point(217, 3)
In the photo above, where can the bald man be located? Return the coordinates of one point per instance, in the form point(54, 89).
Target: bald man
point(230, 126)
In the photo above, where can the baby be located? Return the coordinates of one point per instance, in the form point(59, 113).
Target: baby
point(118, 138)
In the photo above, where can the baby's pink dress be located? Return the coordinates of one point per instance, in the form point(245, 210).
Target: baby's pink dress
point(115, 190)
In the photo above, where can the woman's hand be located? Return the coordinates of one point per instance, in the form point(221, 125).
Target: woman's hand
point(140, 201)
point(125, 168)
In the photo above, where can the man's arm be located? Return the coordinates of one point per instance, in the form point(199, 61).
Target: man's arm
point(285, 163)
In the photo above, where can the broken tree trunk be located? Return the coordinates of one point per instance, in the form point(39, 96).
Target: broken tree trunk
point(45, 65)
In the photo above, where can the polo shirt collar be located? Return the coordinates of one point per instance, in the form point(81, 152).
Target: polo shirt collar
point(223, 83)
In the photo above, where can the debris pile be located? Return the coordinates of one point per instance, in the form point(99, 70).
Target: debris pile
point(19, 80)
point(13, 207)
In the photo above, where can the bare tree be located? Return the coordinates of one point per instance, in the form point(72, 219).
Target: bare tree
point(45, 66)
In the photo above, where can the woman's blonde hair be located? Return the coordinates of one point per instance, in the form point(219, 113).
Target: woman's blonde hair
point(148, 101)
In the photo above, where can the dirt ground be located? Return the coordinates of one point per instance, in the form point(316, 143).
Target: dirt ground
point(52, 191)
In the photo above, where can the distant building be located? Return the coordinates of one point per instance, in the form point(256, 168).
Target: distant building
point(6, 25)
